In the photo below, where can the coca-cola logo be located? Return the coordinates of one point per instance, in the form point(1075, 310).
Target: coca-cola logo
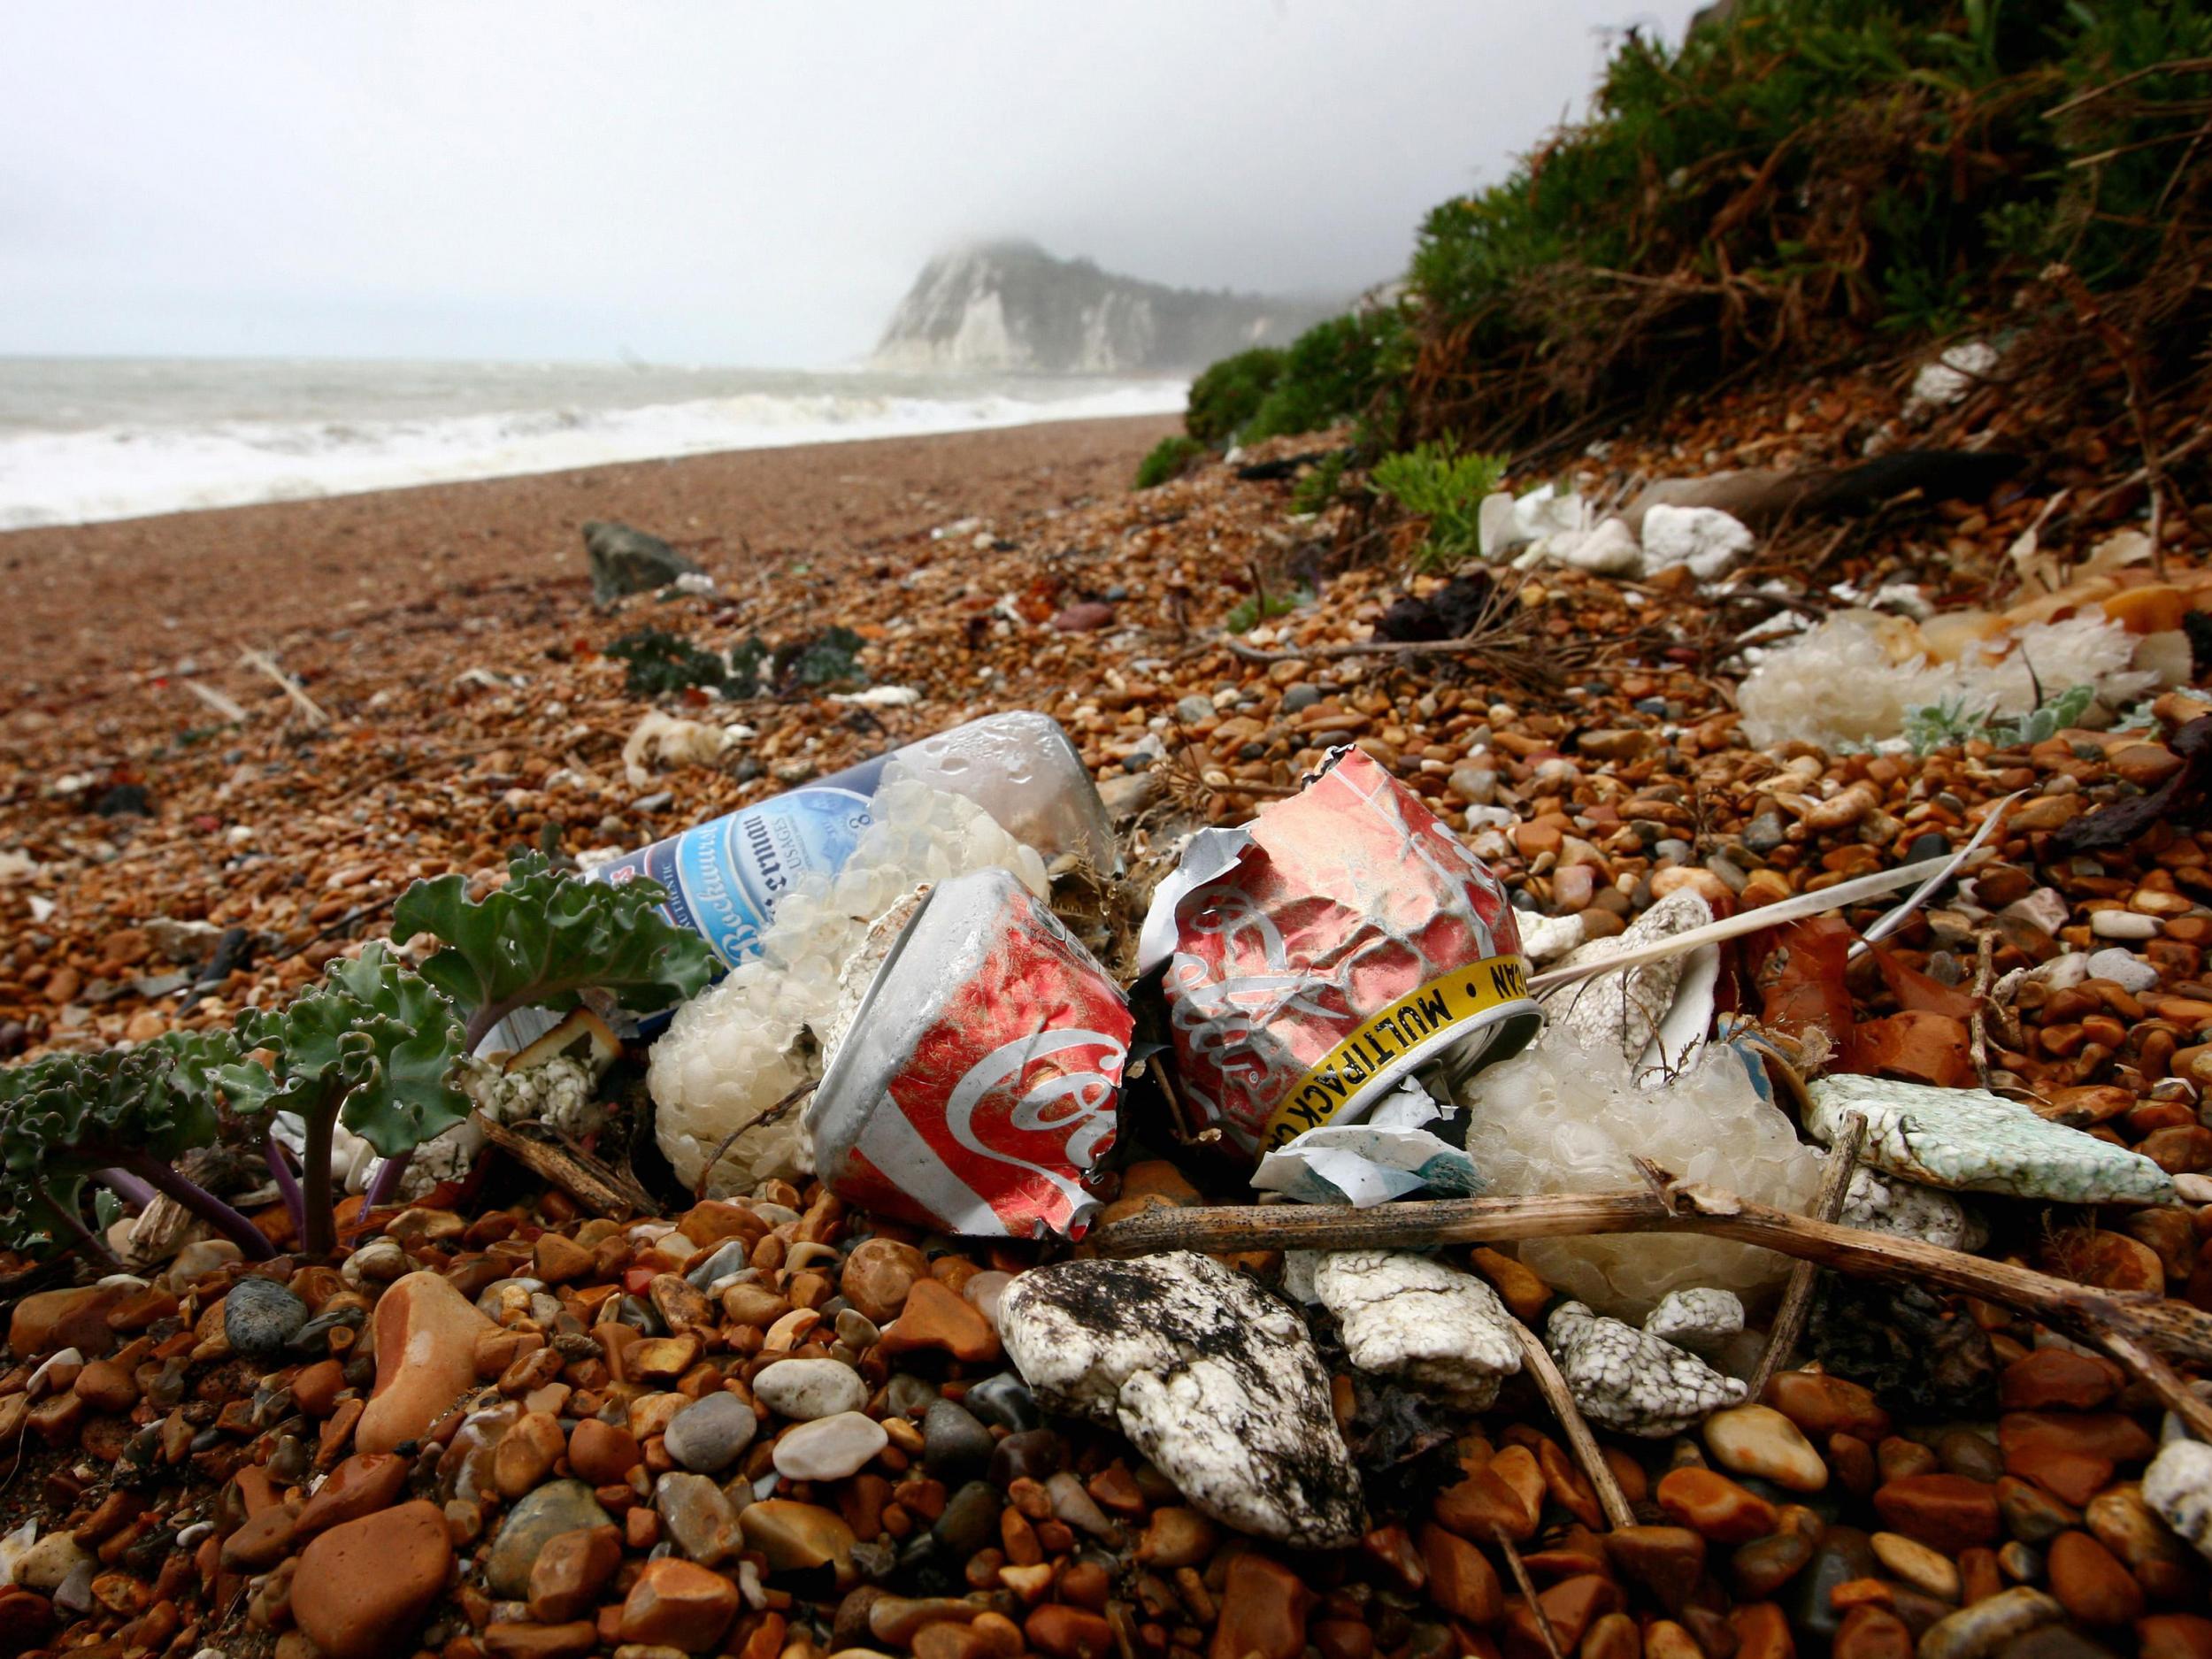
point(1043, 1103)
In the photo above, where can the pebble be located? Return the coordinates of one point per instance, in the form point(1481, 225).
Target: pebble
point(1988, 1624)
point(363, 1588)
point(1263, 1609)
point(602, 1453)
point(2131, 973)
point(877, 1276)
point(829, 1448)
point(1921, 1567)
point(2123, 925)
point(796, 1536)
point(1004, 1400)
point(362, 1484)
point(1947, 1512)
point(954, 1443)
point(970, 1522)
point(259, 1317)
point(1715, 1507)
point(677, 1604)
point(198, 1259)
point(1753, 1440)
point(937, 1316)
point(699, 1516)
point(570, 1571)
point(425, 1359)
point(709, 1436)
point(557, 1506)
point(804, 1389)
point(2092, 1586)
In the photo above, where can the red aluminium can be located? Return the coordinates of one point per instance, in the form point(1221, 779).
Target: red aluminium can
point(978, 1083)
point(1321, 952)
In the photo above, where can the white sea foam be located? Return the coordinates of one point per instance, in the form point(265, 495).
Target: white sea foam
point(110, 453)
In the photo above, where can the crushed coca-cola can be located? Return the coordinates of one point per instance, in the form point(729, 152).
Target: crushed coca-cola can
point(977, 1082)
point(1319, 953)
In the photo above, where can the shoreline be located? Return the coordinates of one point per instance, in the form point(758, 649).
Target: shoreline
point(129, 592)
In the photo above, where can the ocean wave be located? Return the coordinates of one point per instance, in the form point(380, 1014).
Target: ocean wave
point(131, 470)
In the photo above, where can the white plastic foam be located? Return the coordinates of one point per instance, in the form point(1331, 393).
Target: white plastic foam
point(737, 1049)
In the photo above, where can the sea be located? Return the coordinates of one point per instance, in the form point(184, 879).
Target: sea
point(85, 439)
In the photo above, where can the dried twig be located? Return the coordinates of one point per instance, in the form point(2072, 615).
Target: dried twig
point(262, 663)
point(1519, 1570)
point(598, 1188)
point(1553, 1386)
point(1797, 1297)
point(1978, 1028)
point(222, 703)
point(2126, 1325)
point(706, 1170)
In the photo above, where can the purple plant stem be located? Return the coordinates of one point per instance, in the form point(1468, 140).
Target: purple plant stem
point(126, 1187)
point(318, 1228)
point(280, 1166)
point(201, 1204)
point(95, 1247)
point(388, 1175)
point(481, 1022)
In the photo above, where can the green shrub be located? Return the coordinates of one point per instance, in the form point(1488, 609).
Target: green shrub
point(1330, 372)
point(1802, 173)
point(1170, 458)
point(1316, 490)
point(1446, 489)
point(1230, 393)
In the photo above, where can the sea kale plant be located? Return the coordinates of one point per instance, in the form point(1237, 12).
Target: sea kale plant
point(545, 937)
point(120, 1118)
point(374, 1045)
point(370, 1048)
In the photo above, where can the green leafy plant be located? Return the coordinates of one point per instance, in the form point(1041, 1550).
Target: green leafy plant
point(830, 657)
point(1447, 488)
point(661, 662)
point(1253, 609)
point(1788, 175)
point(1172, 456)
point(545, 937)
point(1958, 720)
point(370, 1048)
point(1229, 394)
point(1316, 490)
point(120, 1117)
point(1331, 373)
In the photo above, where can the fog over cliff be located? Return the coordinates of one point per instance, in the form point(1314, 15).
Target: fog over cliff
point(1010, 306)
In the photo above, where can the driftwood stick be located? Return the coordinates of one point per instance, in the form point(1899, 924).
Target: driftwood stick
point(1797, 1297)
point(263, 663)
point(1477, 643)
point(1553, 1386)
point(2123, 1324)
point(1519, 1570)
point(1985, 975)
point(599, 1189)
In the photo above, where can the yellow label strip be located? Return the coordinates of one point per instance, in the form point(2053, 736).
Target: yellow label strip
point(1420, 1019)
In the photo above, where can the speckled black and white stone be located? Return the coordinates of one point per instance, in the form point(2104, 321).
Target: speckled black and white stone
point(1444, 1332)
point(1700, 1320)
point(2179, 1486)
point(1213, 1380)
point(1889, 1203)
point(1625, 1379)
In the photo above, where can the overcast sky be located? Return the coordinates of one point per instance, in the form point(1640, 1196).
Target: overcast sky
point(725, 182)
